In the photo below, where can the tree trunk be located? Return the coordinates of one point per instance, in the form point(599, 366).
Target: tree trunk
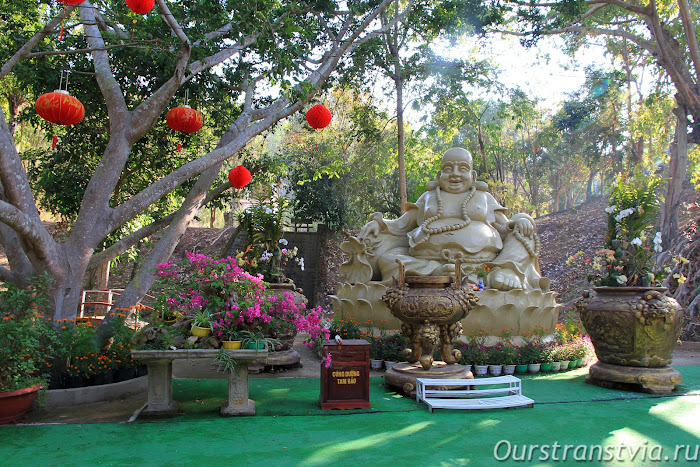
point(677, 167)
point(589, 185)
point(401, 138)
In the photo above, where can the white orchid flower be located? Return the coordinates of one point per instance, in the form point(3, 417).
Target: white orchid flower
point(283, 241)
point(657, 238)
point(621, 279)
point(610, 209)
point(637, 241)
point(624, 213)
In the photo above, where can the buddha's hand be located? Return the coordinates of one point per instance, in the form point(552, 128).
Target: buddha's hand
point(522, 223)
point(373, 227)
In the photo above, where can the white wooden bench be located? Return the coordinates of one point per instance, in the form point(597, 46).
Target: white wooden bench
point(500, 392)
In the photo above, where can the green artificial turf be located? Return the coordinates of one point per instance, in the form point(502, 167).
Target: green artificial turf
point(290, 430)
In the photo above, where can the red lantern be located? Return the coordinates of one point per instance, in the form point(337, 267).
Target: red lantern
point(140, 7)
point(239, 177)
point(71, 2)
point(61, 108)
point(183, 119)
point(318, 116)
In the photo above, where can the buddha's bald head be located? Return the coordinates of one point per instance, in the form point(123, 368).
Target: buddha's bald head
point(456, 174)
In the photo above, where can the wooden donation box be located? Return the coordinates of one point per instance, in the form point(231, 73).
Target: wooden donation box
point(345, 384)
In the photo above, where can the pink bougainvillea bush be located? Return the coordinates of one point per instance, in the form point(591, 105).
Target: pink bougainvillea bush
point(234, 299)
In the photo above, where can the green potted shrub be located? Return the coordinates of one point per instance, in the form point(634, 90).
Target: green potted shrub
point(201, 324)
point(231, 338)
point(495, 359)
point(376, 354)
point(546, 363)
point(510, 357)
point(257, 340)
point(27, 342)
point(393, 346)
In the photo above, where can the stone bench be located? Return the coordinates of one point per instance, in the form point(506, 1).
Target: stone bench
point(160, 379)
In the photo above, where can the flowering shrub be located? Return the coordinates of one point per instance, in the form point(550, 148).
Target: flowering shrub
point(79, 354)
point(235, 299)
point(627, 256)
point(392, 346)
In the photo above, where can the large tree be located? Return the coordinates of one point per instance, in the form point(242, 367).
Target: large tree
point(664, 29)
point(271, 55)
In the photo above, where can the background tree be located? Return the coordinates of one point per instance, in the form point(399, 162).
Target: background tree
point(404, 52)
point(664, 29)
point(271, 57)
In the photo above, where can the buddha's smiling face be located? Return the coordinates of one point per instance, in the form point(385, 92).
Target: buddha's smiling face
point(456, 175)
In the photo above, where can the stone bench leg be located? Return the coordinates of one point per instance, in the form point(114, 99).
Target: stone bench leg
point(238, 403)
point(160, 389)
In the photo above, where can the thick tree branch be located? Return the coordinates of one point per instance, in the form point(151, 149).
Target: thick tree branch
point(689, 28)
point(145, 115)
point(133, 45)
point(593, 31)
point(26, 49)
point(32, 232)
point(221, 56)
point(112, 92)
point(6, 275)
point(119, 248)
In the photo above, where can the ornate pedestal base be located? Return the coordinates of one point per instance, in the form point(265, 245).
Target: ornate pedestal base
point(402, 376)
point(281, 360)
point(652, 380)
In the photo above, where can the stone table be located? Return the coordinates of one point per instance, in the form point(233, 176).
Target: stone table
point(160, 379)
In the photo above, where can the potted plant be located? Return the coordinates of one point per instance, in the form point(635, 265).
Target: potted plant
point(555, 356)
point(235, 299)
point(546, 363)
point(565, 353)
point(376, 354)
point(257, 340)
point(480, 360)
point(27, 342)
point(633, 324)
point(267, 252)
point(201, 324)
point(231, 338)
point(510, 357)
point(495, 359)
point(394, 345)
point(467, 350)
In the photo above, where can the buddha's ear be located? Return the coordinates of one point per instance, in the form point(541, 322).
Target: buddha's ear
point(473, 175)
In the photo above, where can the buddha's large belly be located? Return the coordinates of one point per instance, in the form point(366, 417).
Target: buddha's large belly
point(477, 242)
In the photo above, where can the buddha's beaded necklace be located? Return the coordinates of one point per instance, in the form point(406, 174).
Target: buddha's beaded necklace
point(446, 228)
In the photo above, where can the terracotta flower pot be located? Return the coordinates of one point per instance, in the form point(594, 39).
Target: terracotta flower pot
point(14, 404)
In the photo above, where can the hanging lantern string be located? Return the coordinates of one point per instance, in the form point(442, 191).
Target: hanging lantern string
point(187, 95)
point(60, 37)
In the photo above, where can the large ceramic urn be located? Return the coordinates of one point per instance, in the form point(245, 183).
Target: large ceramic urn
point(430, 308)
point(634, 332)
